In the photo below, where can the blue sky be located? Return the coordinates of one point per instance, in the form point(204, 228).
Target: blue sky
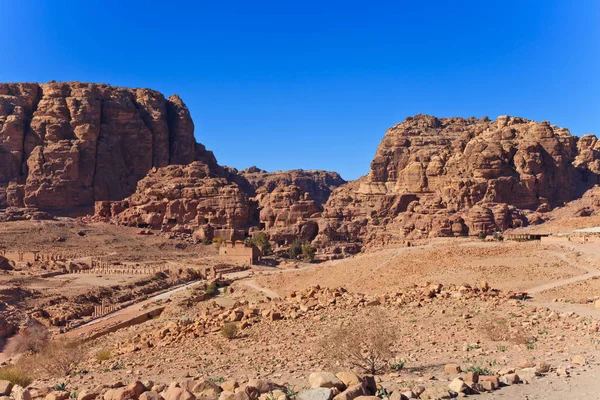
point(314, 85)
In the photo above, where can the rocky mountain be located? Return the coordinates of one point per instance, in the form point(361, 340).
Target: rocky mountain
point(196, 198)
point(210, 200)
point(290, 202)
point(457, 176)
point(66, 145)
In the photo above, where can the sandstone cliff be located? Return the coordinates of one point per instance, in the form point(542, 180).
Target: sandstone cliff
point(195, 198)
point(66, 145)
point(209, 201)
point(457, 176)
point(291, 202)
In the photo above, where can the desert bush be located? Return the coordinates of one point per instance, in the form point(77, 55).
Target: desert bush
point(218, 241)
point(229, 330)
point(262, 242)
point(58, 358)
point(16, 376)
point(295, 249)
point(308, 252)
point(365, 345)
point(103, 355)
point(206, 241)
point(481, 235)
point(499, 329)
point(212, 290)
point(30, 339)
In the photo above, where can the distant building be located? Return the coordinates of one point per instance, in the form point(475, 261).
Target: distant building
point(595, 231)
point(239, 253)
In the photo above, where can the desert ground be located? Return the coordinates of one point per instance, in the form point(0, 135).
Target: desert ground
point(441, 302)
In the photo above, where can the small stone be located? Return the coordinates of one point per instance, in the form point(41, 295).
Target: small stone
point(325, 380)
point(525, 363)
point(457, 385)
point(5, 388)
point(471, 377)
point(348, 378)
point(151, 395)
point(578, 360)
point(314, 394)
point(229, 385)
point(19, 393)
point(542, 367)
point(510, 379)
point(452, 369)
point(490, 382)
point(57, 395)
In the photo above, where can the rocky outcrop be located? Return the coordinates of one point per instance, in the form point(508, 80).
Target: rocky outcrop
point(195, 198)
point(66, 145)
point(457, 176)
point(209, 201)
point(318, 184)
point(290, 202)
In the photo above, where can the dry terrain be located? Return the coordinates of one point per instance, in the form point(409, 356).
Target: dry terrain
point(441, 302)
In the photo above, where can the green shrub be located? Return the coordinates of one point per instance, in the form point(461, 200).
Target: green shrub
point(229, 330)
point(295, 249)
point(262, 242)
point(103, 355)
point(481, 235)
point(308, 252)
point(212, 290)
point(206, 241)
point(15, 376)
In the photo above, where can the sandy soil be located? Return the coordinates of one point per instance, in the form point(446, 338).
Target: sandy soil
point(510, 266)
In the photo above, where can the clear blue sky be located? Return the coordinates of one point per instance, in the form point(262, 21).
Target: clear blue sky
point(314, 85)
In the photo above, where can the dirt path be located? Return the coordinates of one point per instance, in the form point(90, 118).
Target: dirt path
point(584, 385)
point(126, 313)
point(270, 293)
point(590, 272)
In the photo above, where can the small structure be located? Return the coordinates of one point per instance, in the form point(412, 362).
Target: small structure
point(595, 231)
point(239, 253)
point(522, 237)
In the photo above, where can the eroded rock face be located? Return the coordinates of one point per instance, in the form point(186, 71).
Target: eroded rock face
point(457, 176)
point(291, 202)
point(66, 145)
point(194, 198)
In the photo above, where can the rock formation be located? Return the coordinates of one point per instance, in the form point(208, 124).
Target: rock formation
point(209, 201)
point(291, 202)
point(195, 198)
point(457, 176)
point(66, 145)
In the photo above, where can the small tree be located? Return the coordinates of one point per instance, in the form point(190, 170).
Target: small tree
point(362, 344)
point(30, 339)
point(308, 252)
point(229, 330)
point(295, 249)
point(262, 242)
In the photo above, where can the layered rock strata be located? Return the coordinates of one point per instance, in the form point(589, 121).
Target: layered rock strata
point(457, 176)
point(66, 145)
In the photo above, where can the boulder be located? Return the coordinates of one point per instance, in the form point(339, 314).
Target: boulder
point(325, 380)
point(320, 393)
point(19, 393)
point(5, 388)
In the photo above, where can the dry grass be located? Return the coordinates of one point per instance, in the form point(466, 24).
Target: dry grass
point(58, 359)
point(229, 330)
point(30, 339)
point(16, 376)
point(103, 355)
point(500, 330)
point(366, 346)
